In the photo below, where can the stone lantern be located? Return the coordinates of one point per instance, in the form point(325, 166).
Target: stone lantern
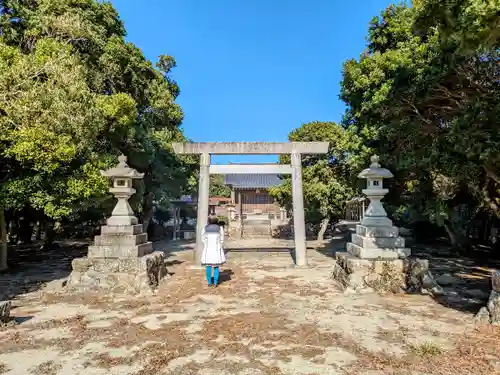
point(375, 214)
point(122, 176)
point(376, 256)
point(121, 258)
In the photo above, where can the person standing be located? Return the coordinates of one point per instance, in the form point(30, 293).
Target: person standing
point(213, 254)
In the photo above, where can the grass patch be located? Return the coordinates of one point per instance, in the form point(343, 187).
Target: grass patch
point(3, 368)
point(425, 349)
point(46, 368)
point(106, 361)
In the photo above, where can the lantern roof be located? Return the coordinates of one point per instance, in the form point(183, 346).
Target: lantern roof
point(122, 170)
point(375, 170)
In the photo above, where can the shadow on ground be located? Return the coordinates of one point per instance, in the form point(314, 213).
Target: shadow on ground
point(225, 276)
point(30, 268)
point(465, 280)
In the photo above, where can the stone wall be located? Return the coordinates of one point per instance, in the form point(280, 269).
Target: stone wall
point(122, 275)
point(490, 314)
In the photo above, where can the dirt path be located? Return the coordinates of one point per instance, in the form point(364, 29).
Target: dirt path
point(266, 318)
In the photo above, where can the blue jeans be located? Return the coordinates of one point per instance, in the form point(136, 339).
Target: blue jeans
point(208, 273)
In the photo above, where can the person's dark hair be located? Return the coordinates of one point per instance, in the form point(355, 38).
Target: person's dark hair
point(213, 220)
point(222, 223)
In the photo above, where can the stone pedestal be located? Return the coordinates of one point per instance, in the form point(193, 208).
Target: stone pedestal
point(121, 260)
point(382, 243)
point(374, 260)
point(407, 275)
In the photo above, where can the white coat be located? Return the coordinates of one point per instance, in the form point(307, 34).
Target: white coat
point(213, 252)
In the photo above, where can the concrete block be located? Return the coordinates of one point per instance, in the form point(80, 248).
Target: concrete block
point(379, 253)
point(119, 239)
point(389, 231)
point(377, 242)
point(120, 251)
point(125, 229)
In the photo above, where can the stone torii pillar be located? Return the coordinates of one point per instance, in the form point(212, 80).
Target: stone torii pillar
point(298, 211)
point(203, 201)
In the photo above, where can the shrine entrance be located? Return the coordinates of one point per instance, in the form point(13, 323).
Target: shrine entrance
point(295, 149)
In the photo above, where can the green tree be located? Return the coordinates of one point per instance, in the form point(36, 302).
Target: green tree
point(326, 178)
point(217, 187)
point(425, 96)
point(74, 95)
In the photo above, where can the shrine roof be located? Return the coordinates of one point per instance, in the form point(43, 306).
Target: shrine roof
point(252, 180)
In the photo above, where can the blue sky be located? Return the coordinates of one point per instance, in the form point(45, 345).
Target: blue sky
point(252, 70)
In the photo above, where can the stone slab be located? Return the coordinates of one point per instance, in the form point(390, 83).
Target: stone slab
point(352, 263)
point(117, 239)
point(125, 229)
point(251, 148)
point(120, 251)
point(380, 253)
point(389, 231)
point(376, 221)
point(122, 221)
point(378, 242)
point(251, 168)
point(256, 220)
point(113, 265)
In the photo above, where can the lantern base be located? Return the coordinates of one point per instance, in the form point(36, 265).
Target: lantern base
point(120, 260)
point(377, 260)
point(140, 275)
point(355, 275)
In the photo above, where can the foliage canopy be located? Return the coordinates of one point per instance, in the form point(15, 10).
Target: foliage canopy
point(74, 94)
point(425, 96)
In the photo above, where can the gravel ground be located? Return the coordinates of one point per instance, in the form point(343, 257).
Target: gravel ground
point(266, 317)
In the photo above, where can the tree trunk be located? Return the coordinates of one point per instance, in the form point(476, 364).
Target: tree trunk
point(491, 202)
point(25, 231)
point(451, 235)
point(322, 230)
point(3, 241)
point(50, 235)
point(457, 241)
point(13, 230)
point(38, 231)
point(147, 213)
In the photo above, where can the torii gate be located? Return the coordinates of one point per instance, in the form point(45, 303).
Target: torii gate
point(295, 149)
